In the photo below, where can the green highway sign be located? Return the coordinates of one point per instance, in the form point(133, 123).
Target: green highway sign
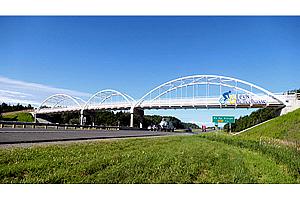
point(223, 119)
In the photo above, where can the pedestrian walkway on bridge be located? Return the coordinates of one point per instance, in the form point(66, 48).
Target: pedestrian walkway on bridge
point(190, 92)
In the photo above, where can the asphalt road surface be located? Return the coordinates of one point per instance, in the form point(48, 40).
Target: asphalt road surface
point(19, 136)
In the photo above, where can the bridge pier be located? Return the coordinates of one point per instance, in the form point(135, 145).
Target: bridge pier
point(131, 119)
point(139, 116)
point(34, 115)
point(81, 117)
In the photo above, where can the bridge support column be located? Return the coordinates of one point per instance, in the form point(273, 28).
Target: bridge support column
point(131, 117)
point(34, 115)
point(81, 117)
point(136, 114)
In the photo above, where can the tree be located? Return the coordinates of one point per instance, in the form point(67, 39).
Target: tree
point(4, 107)
point(254, 118)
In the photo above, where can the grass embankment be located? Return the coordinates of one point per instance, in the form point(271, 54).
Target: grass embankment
point(286, 127)
point(278, 139)
point(177, 159)
point(205, 158)
point(18, 116)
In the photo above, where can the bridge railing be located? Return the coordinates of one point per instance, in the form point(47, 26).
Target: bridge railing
point(198, 102)
point(58, 109)
point(14, 124)
point(109, 106)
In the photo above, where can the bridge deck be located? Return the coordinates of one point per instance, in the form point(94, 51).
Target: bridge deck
point(182, 103)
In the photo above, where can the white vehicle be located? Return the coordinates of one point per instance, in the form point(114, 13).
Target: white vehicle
point(166, 125)
point(153, 128)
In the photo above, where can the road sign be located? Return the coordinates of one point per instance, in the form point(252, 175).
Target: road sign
point(223, 119)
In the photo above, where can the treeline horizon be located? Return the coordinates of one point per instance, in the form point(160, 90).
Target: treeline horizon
point(4, 107)
point(256, 117)
point(109, 118)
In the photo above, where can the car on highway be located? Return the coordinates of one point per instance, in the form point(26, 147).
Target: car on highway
point(189, 130)
point(153, 128)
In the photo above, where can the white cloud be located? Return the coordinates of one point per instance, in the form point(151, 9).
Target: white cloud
point(15, 91)
point(18, 100)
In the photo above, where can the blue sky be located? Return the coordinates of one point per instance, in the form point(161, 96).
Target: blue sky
point(136, 54)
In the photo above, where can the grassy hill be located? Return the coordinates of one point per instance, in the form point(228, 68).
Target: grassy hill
point(286, 127)
point(18, 116)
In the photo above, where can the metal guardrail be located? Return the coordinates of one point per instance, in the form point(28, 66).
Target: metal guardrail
point(14, 124)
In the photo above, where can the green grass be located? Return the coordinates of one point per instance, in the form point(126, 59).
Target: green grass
point(21, 117)
point(286, 127)
point(277, 139)
point(180, 159)
point(281, 154)
point(251, 157)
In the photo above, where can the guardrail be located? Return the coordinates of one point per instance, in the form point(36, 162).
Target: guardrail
point(14, 124)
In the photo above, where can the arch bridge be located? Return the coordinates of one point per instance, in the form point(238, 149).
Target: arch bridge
point(190, 92)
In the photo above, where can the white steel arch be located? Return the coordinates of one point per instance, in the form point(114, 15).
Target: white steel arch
point(59, 103)
point(221, 81)
point(200, 83)
point(110, 99)
point(80, 101)
point(100, 100)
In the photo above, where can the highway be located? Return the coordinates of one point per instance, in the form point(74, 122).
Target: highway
point(19, 136)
